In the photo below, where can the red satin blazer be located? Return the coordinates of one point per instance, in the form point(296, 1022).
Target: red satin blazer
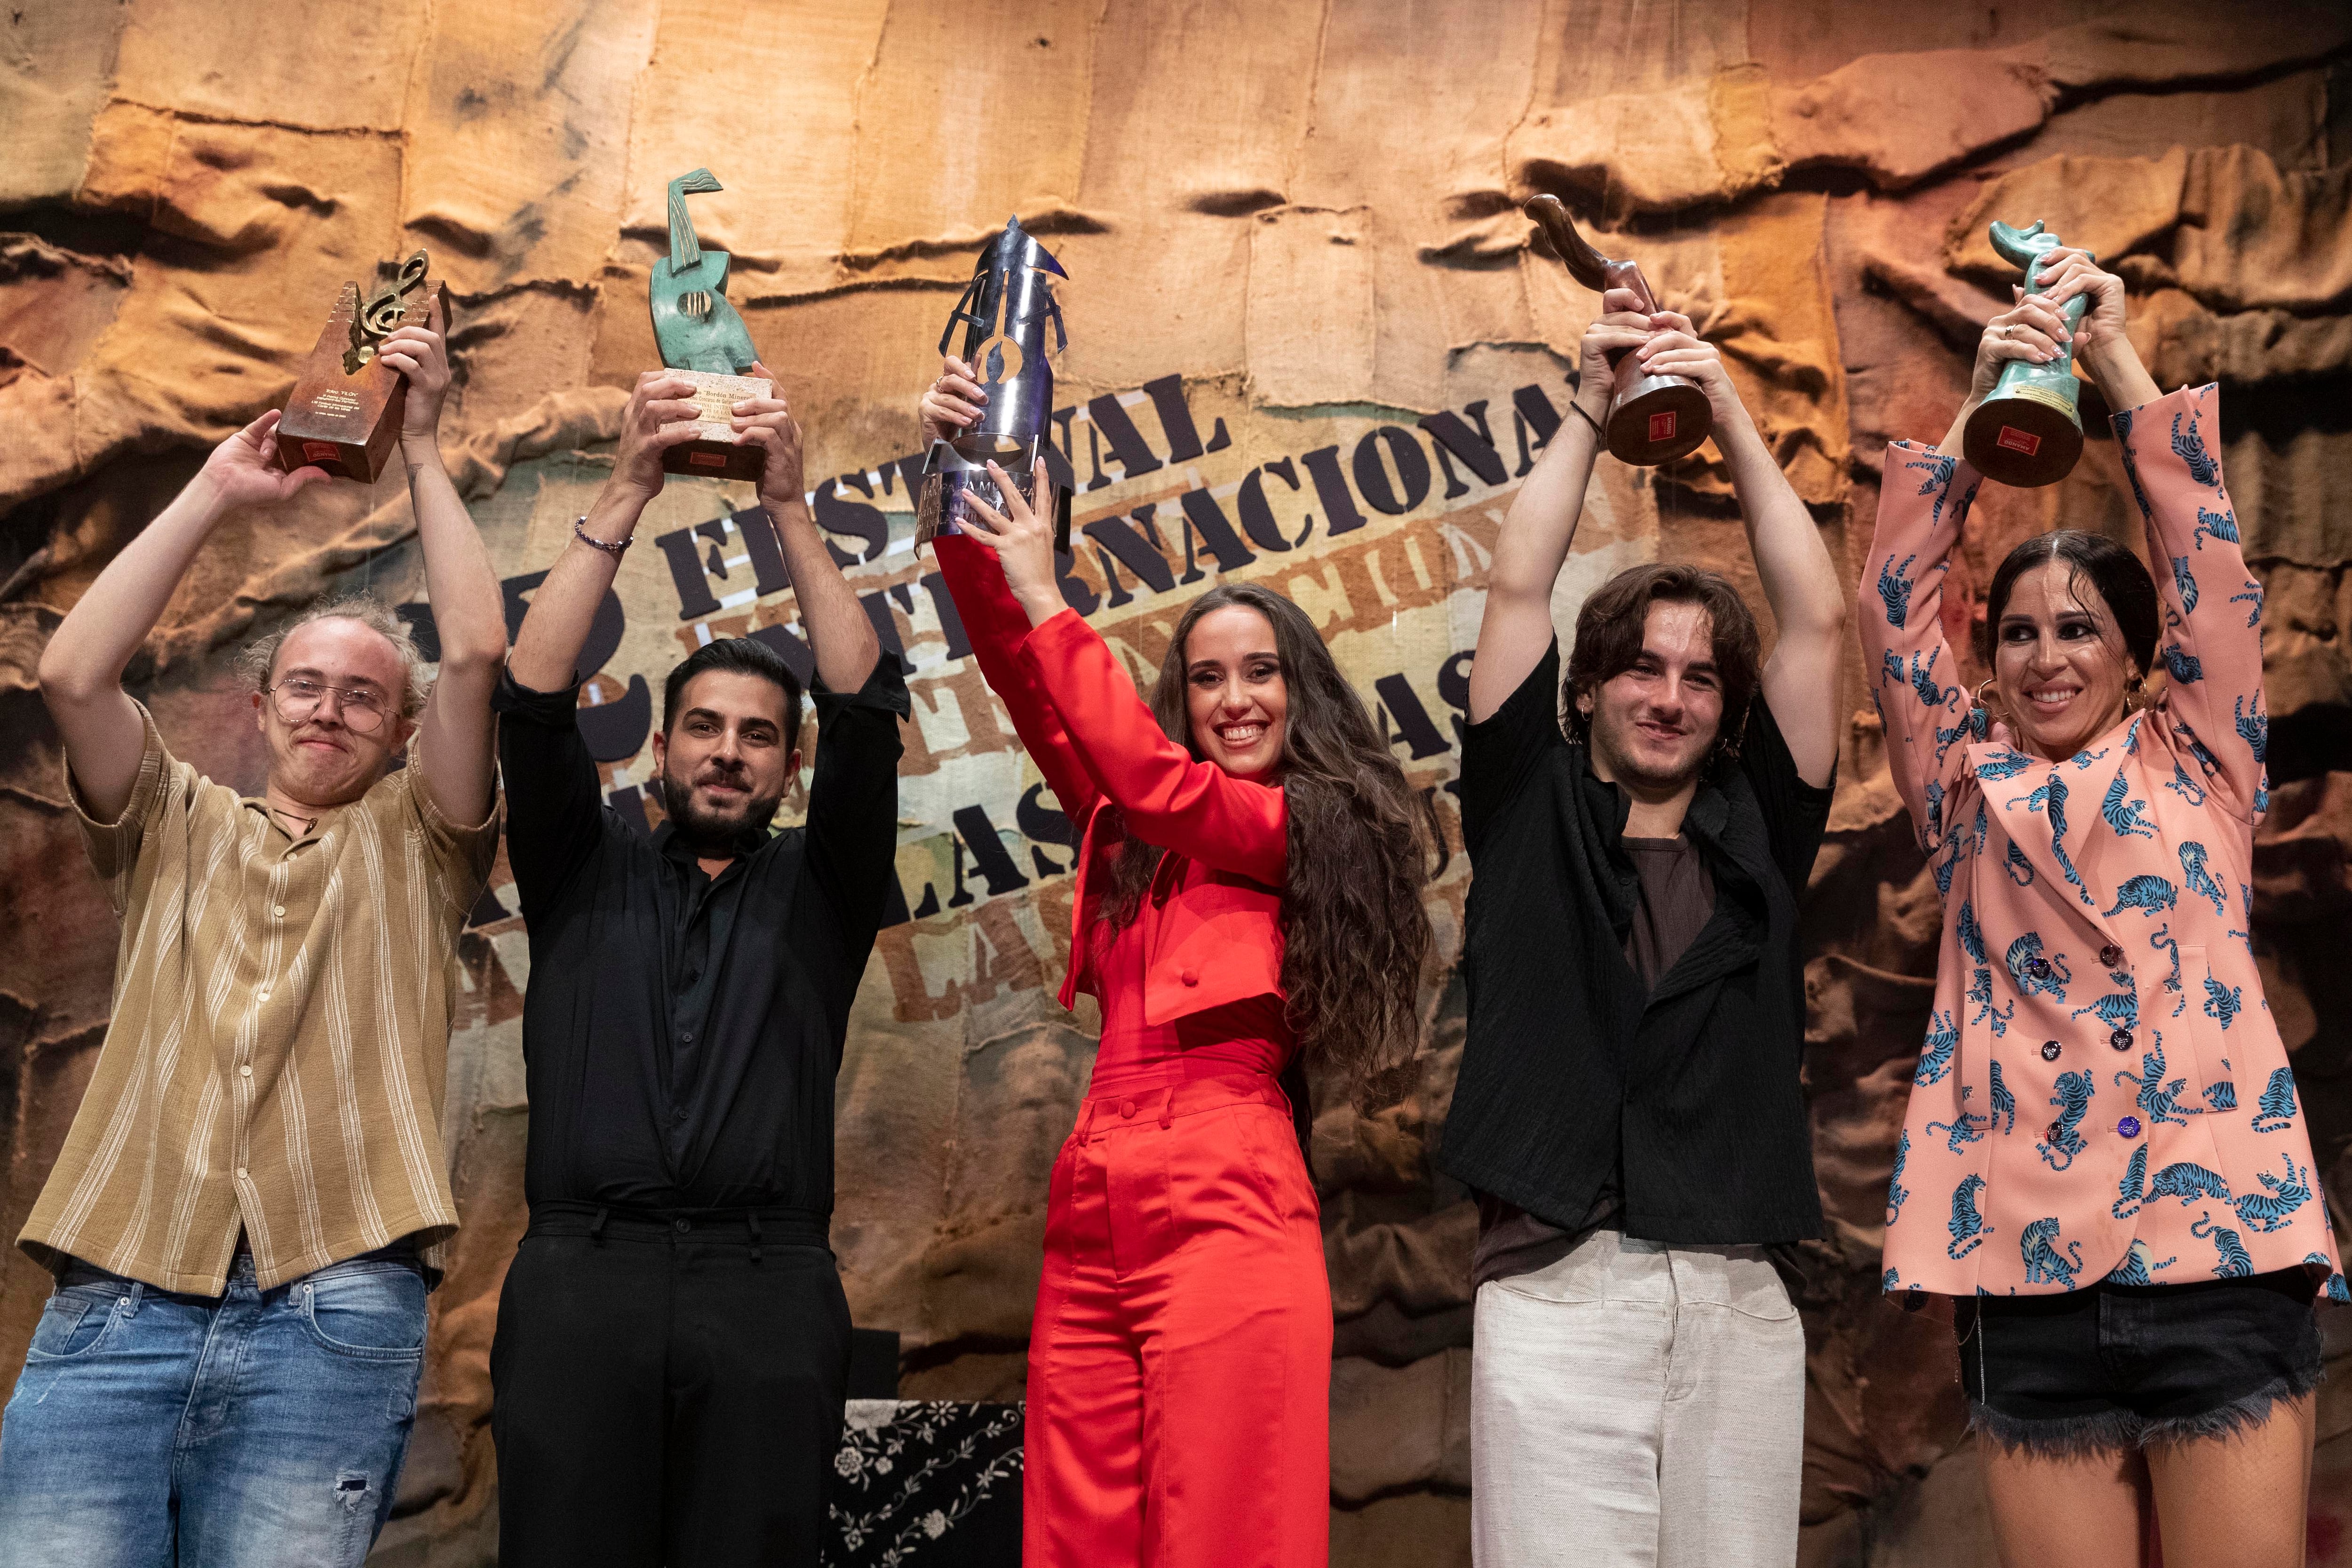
point(1213, 920)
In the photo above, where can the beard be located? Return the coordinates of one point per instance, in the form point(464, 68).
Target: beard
point(701, 825)
point(1632, 768)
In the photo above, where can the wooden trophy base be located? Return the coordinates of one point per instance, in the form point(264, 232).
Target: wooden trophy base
point(346, 423)
point(1656, 419)
point(718, 450)
point(2022, 440)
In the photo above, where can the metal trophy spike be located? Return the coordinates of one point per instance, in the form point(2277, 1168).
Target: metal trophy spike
point(1006, 309)
point(1653, 420)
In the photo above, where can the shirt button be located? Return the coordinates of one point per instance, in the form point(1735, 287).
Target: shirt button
point(1127, 1108)
point(2128, 1127)
point(2121, 1039)
point(682, 1226)
point(2037, 967)
point(240, 1172)
point(2111, 955)
point(685, 1036)
point(262, 996)
point(244, 1072)
point(278, 910)
point(2049, 1050)
point(1189, 978)
point(2052, 1134)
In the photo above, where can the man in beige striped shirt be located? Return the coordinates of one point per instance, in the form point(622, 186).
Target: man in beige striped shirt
point(245, 1213)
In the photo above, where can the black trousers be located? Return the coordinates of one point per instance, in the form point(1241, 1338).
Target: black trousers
point(668, 1389)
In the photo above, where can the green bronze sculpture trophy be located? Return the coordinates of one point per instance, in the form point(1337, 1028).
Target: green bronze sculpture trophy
point(2027, 431)
point(343, 415)
point(704, 340)
point(1653, 420)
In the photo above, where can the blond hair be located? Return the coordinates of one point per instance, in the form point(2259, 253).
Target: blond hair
point(257, 660)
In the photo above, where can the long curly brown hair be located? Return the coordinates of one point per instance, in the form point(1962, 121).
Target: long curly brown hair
point(1355, 936)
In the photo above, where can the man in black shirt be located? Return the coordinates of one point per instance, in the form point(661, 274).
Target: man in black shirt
point(673, 1343)
point(1629, 1108)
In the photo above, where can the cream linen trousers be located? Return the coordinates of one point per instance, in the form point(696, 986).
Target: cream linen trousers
point(1636, 1404)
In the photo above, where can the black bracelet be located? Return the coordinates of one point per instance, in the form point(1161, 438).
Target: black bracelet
point(1589, 419)
point(615, 551)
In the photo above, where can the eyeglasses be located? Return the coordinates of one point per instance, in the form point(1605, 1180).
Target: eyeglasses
point(297, 700)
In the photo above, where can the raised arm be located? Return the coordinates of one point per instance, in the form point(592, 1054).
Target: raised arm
point(1515, 631)
point(455, 746)
point(1800, 581)
point(81, 668)
point(838, 632)
point(995, 622)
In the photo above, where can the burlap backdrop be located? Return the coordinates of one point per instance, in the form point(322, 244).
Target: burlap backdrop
point(1310, 347)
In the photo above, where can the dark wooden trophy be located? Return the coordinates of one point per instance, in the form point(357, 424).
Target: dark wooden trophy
point(703, 340)
point(343, 415)
point(1653, 420)
point(2028, 431)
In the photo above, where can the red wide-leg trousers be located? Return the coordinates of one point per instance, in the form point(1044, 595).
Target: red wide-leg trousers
point(1179, 1362)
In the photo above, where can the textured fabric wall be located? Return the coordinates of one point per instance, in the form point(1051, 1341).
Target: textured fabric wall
point(1292, 235)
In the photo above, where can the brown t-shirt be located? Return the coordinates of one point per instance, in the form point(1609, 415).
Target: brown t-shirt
point(1677, 899)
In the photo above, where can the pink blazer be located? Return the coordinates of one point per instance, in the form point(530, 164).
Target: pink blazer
point(2102, 1092)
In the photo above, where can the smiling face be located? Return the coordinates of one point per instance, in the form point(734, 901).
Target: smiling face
point(1654, 722)
point(723, 761)
point(1234, 690)
point(2058, 660)
point(322, 761)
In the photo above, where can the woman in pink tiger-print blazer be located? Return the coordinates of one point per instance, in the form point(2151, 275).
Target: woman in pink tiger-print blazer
point(2105, 1160)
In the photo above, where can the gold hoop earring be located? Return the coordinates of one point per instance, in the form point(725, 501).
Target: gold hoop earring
point(2136, 694)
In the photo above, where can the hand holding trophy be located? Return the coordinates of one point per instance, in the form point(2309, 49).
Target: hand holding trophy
point(1006, 309)
point(2027, 430)
point(345, 412)
point(1653, 420)
point(704, 340)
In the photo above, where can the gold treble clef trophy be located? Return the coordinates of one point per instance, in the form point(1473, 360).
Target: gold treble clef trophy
point(1653, 420)
point(343, 415)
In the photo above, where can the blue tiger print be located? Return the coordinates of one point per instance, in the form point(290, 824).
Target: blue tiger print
point(1936, 1058)
point(2222, 1096)
point(2255, 729)
point(2181, 579)
point(2074, 1102)
point(2222, 1001)
point(1946, 738)
point(1896, 1191)
point(2118, 1009)
point(2185, 667)
point(1967, 1226)
point(2235, 1263)
point(2020, 869)
point(2134, 1268)
point(2161, 1099)
point(2268, 1211)
point(2162, 942)
point(2001, 765)
point(2222, 525)
point(1894, 587)
point(2275, 1110)
point(2334, 1288)
point(2188, 1182)
point(2003, 1103)
point(2187, 788)
point(2051, 797)
point(1963, 1131)
point(2147, 893)
point(2252, 596)
point(2189, 445)
point(2043, 1263)
point(1924, 685)
point(2123, 428)
point(2200, 882)
point(2020, 960)
point(1994, 1018)
point(1891, 1279)
point(2132, 1191)
point(1971, 933)
point(2123, 814)
point(2083, 760)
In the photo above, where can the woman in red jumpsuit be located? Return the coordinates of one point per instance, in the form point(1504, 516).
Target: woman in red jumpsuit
point(1248, 886)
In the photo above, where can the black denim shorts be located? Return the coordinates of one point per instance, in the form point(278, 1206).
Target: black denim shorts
point(2118, 1367)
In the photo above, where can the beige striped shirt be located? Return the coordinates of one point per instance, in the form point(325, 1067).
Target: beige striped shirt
point(280, 1033)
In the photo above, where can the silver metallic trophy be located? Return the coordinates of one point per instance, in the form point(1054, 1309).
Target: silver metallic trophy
point(1006, 309)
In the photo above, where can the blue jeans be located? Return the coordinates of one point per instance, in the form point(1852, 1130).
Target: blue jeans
point(258, 1428)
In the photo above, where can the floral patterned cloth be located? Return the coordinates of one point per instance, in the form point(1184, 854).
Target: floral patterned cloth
point(2102, 1091)
point(928, 1484)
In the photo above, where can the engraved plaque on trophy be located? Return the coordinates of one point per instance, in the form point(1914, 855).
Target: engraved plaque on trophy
point(1653, 420)
point(343, 415)
point(704, 340)
point(2028, 431)
point(1007, 310)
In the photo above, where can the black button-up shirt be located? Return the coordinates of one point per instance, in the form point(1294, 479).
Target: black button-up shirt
point(681, 1032)
point(1574, 1071)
